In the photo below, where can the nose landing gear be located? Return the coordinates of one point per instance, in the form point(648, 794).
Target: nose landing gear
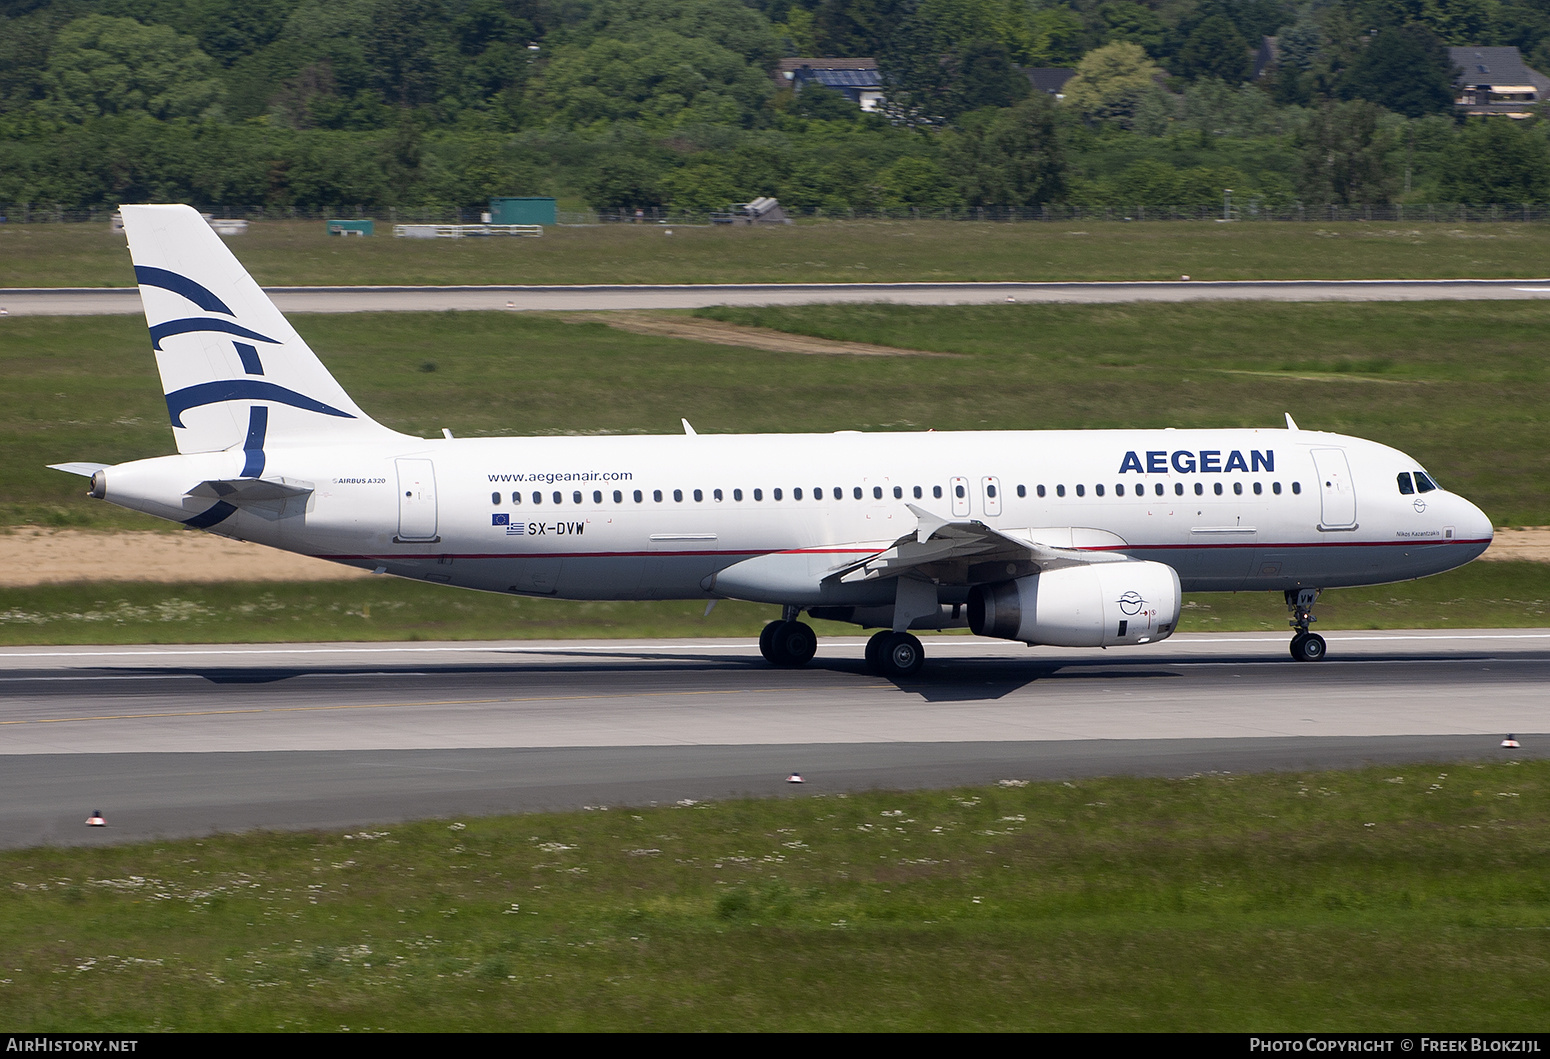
point(1306, 646)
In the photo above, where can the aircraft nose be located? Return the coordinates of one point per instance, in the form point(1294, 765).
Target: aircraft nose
point(1474, 525)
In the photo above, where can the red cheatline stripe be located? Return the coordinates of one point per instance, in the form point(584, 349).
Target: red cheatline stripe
point(874, 551)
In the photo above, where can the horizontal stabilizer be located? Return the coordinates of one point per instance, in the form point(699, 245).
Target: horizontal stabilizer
point(85, 470)
point(241, 491)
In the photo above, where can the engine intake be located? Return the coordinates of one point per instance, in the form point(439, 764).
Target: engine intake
point(1102, 605)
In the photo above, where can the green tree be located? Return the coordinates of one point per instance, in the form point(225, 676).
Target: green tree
point(1011, 157)
point(1496, 160)
point(1111, 82)
point(1125, 20)
point(1344, 156)
point(101, 65)
point(1406, 70)
point(1214, 49)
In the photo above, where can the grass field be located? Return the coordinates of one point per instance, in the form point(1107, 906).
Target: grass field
point(1463, 387)
point(289, 253)
point(1481, 595)
point(1385, 899)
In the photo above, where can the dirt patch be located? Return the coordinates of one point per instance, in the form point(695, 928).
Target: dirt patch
point(1525, 544)
point(725, 334)
point(43, 557)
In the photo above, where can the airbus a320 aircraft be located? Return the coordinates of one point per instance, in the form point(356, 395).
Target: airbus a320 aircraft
point(1066, 538)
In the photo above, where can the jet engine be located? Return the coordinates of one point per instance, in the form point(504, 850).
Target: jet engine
point(1100, 605)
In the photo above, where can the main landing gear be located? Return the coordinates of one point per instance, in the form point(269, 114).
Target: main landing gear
point(1306, 646)
point(895, 655)
point(791, 644)
point(788, 643)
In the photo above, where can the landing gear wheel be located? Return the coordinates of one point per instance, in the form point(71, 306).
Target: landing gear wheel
point(767, 641)
point(788, 644)
point(875, 648)
point(902, 656)
point(1308, 647)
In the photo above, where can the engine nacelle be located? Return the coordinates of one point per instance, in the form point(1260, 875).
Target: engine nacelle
point(1102, 605)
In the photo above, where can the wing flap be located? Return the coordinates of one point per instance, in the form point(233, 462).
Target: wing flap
point(971, 551)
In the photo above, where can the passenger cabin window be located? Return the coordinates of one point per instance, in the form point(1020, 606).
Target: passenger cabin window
point(638, 496)
point(495, 498)
point(1275, 487)
point(538, 498)
point(559, 497)
point(1237, 488)
point(656, 494)
point(716, 493)
point(1060, 490)
point(1097, 490)
point(1040, 491)
point(796, 494)
point(699, 495)
point(737, 494)
point(758, 494)
point(856, 492)
point(898, 492)
point(1423, 484)
point(1178, 488)
point(1022, 490)
point(576, 497)
point(1258, 489)
point(1217, 488)
point(1119, 490)
point(1200, 490)
point(958, 492)
point(917, 492)
point(1296, 488)
point(1081, 490)
point(618, 497)
point(936, 492)
point(597, 496)
point(877, 492)
point(775, 493)
point(516, 498)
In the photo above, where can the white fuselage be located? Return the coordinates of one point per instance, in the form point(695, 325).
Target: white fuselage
point(658, 517)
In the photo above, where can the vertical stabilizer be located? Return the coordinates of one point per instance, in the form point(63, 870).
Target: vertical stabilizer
point(235, 373)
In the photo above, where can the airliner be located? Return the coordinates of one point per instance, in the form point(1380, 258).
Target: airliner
point(1083, 538)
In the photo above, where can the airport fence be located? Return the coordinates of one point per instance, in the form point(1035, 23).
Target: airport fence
point(1451, 213)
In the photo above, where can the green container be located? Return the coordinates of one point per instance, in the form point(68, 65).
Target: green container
point(350, 228)
point(529, 210)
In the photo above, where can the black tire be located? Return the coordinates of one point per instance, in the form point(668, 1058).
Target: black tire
point(903, 656)
point(1296, 646)
point(1314, 648)
point(795, 643)
point(875, 648)
point(767, 641)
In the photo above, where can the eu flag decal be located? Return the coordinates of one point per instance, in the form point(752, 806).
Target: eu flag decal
point(500, 520)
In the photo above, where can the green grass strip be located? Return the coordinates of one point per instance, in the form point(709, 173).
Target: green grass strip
point(299, 253)
point(1377, 900)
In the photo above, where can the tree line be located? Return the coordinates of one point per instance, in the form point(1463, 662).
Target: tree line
point(438, 105)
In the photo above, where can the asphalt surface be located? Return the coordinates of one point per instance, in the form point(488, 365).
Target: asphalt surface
point(171, 741)
point(88, 301)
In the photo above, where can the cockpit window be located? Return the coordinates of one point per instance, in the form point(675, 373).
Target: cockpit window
point(1423, 484)
point(1404, 483)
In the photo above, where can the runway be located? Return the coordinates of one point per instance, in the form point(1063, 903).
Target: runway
point(171, 741)
point(92, 301)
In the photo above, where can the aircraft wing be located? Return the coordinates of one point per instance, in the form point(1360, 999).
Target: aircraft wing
point(970, 552)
